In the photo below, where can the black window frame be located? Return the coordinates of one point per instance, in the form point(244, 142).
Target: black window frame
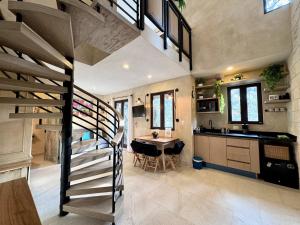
point(243, 102)
point(162, 109)
point(265, 7)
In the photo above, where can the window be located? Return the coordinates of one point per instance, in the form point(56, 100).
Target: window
point(162, 110)
point(245, 104)
point(270, 5)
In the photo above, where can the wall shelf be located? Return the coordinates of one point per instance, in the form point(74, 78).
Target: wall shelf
point(277, 89)
point(212, 112)
point(205, 99)
point(278, 101)
point(206, 86)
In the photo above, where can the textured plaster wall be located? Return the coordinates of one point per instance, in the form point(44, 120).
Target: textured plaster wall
point(184, 110)
point(294, 67)
point(236, 32)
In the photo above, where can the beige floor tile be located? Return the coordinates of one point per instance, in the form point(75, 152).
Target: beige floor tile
point(182, 197)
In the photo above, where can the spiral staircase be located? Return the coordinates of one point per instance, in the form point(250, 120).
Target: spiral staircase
point(37, 53)
point(37, 80)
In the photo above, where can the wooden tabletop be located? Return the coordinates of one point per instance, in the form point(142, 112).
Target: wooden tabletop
point(16, 204)
point(161, 140)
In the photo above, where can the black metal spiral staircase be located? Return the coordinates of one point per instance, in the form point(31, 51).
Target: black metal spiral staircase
point(37, 79)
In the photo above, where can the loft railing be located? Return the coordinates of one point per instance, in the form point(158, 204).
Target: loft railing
point(165, 15)
point(132, 10)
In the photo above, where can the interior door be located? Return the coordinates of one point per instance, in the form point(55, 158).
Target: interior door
point(122, 107)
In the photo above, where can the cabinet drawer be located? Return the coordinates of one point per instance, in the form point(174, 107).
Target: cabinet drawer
point(237, 142)
point(239, 165)
point(238, 154)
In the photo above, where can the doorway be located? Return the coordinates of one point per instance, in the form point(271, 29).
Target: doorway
point(122, 107)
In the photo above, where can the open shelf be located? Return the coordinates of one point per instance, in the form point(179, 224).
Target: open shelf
point(212, 112)
point(206, 86)
point(278, 101)
point(279, 88)
point(205, 99)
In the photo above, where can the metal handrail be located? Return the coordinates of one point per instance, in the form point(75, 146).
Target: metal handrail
point(119, 119)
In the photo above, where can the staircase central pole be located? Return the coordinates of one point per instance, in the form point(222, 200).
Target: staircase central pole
point(66, 139)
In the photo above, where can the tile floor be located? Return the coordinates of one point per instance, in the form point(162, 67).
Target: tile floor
point(181, 197)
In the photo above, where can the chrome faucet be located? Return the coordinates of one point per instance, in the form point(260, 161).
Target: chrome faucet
point(210, 123)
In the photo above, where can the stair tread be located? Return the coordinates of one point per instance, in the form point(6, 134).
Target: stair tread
point(35, 115)
point(97, 169)
point(19, 85)
point(51, 24)
point(96, 207)
point(82, 146)
point(18, 36)
point(15, 64)
point(104, 190)
point(91, 156)
point(31, 102)
point(49, 127)
point(93, 183)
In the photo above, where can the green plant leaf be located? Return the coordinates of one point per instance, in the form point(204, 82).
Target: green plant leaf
point(272, 75)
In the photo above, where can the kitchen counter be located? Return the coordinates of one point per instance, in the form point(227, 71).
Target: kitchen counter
point(250, 135)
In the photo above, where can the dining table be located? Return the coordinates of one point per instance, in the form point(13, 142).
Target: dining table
point(161, 143)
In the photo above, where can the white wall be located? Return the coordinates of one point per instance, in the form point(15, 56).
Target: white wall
point(294, 67)
point(236, 32)
point(184, 110)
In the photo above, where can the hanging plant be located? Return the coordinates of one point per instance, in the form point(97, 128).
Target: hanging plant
point(219, 94)
point(181, 4)
point(272, 75)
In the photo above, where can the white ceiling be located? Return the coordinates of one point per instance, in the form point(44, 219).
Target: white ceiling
point(109, 76)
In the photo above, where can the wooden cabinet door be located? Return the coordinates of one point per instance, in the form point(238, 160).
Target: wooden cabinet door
point(254, 155)
point(202, 147)
point(217, 151)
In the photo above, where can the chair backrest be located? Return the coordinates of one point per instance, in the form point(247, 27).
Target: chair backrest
point(137, 147)
point(178, 147)
point(151, 150)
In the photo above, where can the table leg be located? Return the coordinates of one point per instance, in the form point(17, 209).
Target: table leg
point(163, 158)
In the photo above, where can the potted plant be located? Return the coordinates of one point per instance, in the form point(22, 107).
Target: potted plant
point(181, 4)
point(219, 94)
point(155, 134)
point(272, 75)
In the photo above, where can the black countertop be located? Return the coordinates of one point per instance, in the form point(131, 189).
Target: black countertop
point(250, 135)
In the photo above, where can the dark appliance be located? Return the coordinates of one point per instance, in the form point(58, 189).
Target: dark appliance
point(278, 163)
point(138, 111)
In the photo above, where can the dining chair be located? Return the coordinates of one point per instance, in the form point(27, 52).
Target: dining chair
point(173, 154)
point(152, 155)
point(138, 151)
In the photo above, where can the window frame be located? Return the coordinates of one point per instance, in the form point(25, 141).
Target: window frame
point(244, 106)
point(162, 109)
point(265, 7)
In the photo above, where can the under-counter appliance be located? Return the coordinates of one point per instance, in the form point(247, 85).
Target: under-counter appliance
point(278, 163)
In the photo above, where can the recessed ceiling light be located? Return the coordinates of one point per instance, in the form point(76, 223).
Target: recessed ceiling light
point(149, 76)
point(229, 68)
point(126, 66)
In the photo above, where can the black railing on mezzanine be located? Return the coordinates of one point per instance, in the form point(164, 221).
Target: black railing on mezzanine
point(172, 23)
point(168, 19)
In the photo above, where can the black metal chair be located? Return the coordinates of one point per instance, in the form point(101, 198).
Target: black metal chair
point(174, 153)
point(152, 155)
point(138, 151)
